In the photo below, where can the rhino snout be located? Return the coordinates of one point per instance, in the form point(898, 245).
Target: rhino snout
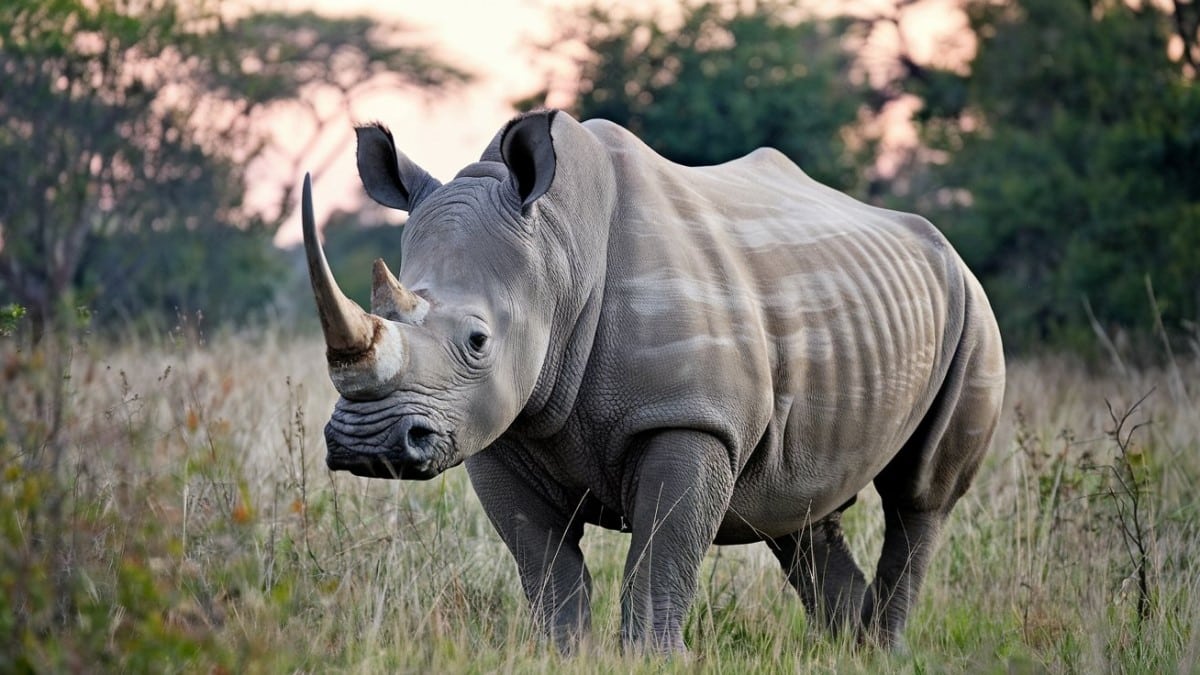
point(412, 447)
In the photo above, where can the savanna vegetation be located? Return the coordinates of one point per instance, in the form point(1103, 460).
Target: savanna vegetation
point(164, 504)
point(164, 507)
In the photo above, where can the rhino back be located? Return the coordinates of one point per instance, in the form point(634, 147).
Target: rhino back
point(808, 331)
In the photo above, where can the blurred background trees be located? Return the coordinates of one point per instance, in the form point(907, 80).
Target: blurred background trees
point(1061, 157)
point(1062, 161)
point(723, 79)
point(1065, 166)
point(127, 133)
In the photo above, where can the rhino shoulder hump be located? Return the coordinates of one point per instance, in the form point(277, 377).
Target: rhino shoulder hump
point(771, 157)
point(617, 139)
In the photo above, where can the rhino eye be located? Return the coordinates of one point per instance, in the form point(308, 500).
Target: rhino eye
point(477, 342)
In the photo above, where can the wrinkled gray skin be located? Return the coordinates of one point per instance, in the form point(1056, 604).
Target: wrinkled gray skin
point(724, 355)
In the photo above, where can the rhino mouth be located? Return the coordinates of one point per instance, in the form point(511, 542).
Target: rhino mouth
point(405, 447)
point(386, 465)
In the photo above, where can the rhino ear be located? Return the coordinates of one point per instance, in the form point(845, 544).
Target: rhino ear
point(389, 177)
point(528, 151)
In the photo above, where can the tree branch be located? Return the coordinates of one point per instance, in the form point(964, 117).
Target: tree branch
point(1189, 32)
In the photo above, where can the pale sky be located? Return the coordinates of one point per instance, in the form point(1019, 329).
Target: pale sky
point(490, 38)
point(493, 39)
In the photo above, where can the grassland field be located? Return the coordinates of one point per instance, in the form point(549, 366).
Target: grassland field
point(164, 507)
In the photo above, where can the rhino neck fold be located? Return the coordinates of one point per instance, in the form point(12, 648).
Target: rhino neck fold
point(554, 394)
point(574, 219)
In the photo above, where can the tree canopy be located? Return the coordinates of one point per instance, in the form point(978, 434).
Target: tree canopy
point(122, 119)
point(1063, 161)
point(723, 80)
point(1067, 168)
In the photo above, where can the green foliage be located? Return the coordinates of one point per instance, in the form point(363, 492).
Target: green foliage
point(127, 127)
point(86, 583)
point(79, 139)
point(10, 316)
point(729, 78)
point(1068, 173)
point(220, 272)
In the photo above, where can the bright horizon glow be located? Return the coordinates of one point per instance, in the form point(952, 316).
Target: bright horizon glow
point(441, 132)
point(495, 40)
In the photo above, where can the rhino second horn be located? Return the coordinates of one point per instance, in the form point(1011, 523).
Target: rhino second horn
point(349, 331)
point(389, 298)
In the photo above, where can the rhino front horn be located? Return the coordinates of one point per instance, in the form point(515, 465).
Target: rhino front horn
point(349, 331)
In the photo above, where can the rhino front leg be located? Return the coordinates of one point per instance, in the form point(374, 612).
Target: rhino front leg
point(544, 539)
point(683, 489)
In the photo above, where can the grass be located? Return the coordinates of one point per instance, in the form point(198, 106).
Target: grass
point(164, 507)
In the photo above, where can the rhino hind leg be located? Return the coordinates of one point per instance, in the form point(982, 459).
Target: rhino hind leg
point(819, 565)
point(921, 485)
point(909, 540)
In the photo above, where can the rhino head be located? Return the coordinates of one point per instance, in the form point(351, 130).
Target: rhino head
point(450, 353)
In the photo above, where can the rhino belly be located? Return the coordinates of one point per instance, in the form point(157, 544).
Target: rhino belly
point(763, 509)
point(831, 446)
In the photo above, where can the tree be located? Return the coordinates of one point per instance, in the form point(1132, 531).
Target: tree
point(1186, 14)
point(124, 118)
point(724, 79)
point(1066, 167)
point(147, 279)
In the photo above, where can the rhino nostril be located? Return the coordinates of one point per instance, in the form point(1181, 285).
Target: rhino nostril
point(419, 435)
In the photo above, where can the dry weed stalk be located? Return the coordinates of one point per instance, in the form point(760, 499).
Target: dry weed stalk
point(1128, 491)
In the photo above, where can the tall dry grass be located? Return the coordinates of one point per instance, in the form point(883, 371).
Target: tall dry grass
point(164, 506)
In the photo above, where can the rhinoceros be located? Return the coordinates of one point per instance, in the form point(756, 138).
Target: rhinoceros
point(694, 355)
